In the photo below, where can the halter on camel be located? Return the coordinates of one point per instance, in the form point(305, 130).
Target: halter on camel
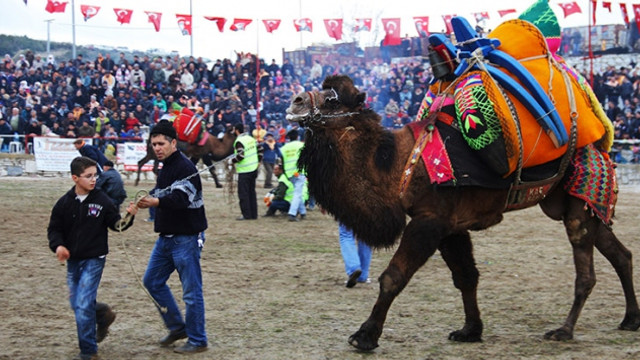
point(314, 115)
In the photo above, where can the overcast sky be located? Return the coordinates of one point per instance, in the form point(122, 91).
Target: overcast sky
point(103, 29)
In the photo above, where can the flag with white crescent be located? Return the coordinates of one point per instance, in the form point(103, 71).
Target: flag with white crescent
point(89, 11)
point(124, 15)
point(154, 18)
point(392, 30)
point(334, 28)
point(184, 22)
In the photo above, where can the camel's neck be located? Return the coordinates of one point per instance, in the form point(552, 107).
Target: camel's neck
point(350, 176)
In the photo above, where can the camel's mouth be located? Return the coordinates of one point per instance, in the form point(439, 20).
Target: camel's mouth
point(296, 117)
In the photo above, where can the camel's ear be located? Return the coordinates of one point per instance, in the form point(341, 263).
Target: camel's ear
point(360, 98)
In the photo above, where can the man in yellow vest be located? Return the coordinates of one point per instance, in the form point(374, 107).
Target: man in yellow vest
point(282, 194)
point(246, 161)
point(290, 154)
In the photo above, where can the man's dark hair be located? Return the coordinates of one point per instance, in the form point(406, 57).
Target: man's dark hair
point(239, 127)
point(80, 164)
point(292, 135)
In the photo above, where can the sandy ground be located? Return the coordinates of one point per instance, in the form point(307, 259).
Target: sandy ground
point(275, 289)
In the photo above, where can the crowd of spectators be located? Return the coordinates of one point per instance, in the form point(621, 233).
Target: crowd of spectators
point(112, 98)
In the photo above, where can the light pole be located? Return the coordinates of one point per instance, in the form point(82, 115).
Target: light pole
point(48, 21)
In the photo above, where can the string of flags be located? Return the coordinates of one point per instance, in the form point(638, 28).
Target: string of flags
point(334, 27)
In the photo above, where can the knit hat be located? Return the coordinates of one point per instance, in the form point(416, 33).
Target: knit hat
point(164, 127)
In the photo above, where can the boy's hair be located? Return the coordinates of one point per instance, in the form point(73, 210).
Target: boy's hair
point(79, 164)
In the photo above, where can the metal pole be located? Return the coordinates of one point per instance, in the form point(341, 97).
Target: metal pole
point(48, 21)
point(73, 28)
point(590, 49)
point(191, 17)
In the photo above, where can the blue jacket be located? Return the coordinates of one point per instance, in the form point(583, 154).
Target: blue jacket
point(94, 153)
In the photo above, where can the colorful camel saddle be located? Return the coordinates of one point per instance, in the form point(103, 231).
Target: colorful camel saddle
point(190, 127)
point(508, 94)
point(451, 162)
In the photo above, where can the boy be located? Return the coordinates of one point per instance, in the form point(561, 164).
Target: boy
point(78, 233)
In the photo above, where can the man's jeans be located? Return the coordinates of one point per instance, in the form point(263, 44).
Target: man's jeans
point(83, 278)
point(356, 254)
point(182, 253)
point(297, 203)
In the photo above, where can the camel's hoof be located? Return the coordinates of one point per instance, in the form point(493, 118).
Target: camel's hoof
point(465, 336)
point(219, 186)
point(631, 322)
point(558, 335)
point(362, 341)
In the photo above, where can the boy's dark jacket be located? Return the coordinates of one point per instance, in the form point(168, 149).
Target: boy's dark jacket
point(81, 227)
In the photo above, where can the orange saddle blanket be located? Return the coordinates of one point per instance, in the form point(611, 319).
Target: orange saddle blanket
point(496, 123)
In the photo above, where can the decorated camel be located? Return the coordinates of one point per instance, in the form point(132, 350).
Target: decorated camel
point(211, 150)
point(370, 179)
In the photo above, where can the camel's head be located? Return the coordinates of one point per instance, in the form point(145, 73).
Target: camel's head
point(338, 98)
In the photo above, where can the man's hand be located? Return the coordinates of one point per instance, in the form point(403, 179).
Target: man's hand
point(148, 201)
point(62, 253)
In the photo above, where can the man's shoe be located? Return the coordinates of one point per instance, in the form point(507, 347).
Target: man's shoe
point(292, 218)
point(149, 220)
point(303, 216)
point(353, 278)
point(172, 337)
point(269, 214)
point(240, 218)
point(103, 328)
point(189, 348)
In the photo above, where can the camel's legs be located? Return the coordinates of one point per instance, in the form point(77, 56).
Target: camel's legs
point(206, 159)
point(620, 258)
point(419, 241)
point(582, 233)
point(457, 252)
point(141, 163)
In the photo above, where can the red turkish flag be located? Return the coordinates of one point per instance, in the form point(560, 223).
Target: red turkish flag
point(392, 30)
point(124, 15)
point(481, 15)
point(570, 8)
point(154, 18)
point(362, 25)
point(304, 24)
point(56, 6)
point(502, 13)
point(607, 5)
point(220, 21)
point(184, 22)
point(271, 24)
point(89, 11)
point(334, 28)
point(422, 25)
point(625, 14)
point(636, 14)
point(447, 23)
point(240, 24)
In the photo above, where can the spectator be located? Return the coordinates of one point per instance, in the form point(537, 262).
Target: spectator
point(111, 183)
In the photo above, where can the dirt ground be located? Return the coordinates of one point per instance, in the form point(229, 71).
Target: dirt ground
point(275, 289)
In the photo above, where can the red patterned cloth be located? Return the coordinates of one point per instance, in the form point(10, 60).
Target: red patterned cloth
point(593, 179)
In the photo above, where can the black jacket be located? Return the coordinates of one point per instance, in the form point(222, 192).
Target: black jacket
point(181, 208)
point(81, 227)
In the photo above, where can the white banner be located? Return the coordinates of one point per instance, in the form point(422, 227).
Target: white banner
point(54, 154)
point(133, 152)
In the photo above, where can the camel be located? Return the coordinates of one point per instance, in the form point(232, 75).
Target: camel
point(214, 150)
point(355, 167)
